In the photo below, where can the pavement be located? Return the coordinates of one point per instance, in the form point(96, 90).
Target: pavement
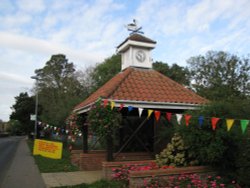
point(70, 178)
point(24, 173)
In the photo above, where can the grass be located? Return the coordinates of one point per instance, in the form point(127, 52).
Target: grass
point(46, 165)
point(99, 184)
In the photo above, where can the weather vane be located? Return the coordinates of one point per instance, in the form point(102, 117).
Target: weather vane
point(133, 27)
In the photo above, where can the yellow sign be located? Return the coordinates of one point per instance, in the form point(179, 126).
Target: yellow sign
point(48, 149)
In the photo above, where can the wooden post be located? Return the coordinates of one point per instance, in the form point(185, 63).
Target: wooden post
point(85, 138)
point(109, 140)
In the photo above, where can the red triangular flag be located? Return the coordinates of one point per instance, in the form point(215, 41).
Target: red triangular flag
point(168, 116)
point(105, 102)
point(187, 118)
point(121, 107)
point(214, 122)
point(157, 115)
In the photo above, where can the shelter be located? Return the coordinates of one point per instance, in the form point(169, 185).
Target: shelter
point(138, 88)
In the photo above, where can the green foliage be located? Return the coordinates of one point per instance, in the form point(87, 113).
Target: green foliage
point(105, 71)
point(59, 89)
point(227, 151)
point(103, 120)
point(220, 75)
point(14, 127)
point(175, 154)
point(22, 109)
point(175, 72)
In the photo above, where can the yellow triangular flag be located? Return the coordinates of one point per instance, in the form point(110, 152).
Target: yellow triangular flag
point(149, 113)
point(112, 105)
point(229, 123)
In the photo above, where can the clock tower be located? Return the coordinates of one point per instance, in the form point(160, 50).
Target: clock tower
point(136, 51)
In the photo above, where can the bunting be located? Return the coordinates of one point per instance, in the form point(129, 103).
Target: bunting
point(214, 122)
point(157, 115)
point(201, 120)
point(168, 116)
point(105, 102)
point(130, 108)
point(244, 124)
point(140, 111)
point(179, 117)
point(229, 123)
point(187, 118)
point(121, 107)
point(149, 113)
point(112, 105)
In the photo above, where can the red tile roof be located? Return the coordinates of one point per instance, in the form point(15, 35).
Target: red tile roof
point(147, 85)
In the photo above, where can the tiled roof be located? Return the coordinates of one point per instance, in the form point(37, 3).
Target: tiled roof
point(138, 38)
point(137, 84)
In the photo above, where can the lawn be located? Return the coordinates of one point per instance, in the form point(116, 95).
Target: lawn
point(46, 165)
point(99, 184)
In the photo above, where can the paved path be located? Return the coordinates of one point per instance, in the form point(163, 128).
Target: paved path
point(71, 178)
point(23, 172)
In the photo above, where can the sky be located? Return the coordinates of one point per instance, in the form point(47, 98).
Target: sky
point(88, 31)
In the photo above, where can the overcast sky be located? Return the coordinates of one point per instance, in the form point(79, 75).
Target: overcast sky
point(87, 32)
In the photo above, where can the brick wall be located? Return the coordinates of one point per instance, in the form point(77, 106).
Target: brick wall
point(92, 160)
point(108, 166)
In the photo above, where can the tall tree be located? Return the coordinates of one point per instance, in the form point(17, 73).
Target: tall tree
point(59, 89)
point(22, 109)
point(106, 70)
point(175, 72)
point(220, 75)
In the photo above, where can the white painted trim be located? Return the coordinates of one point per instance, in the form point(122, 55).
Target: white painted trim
point(148, 105)
point(126, 45)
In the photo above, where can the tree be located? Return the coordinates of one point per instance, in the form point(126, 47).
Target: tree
point(22, 109)
point(59, 89)
point(106, 70)
point(175, 72)
point(220, 75)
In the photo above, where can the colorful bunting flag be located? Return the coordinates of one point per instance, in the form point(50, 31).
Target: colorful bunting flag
point(244, 124)
point(112, 105)
point(105, 102)
point(130, 108)
point(187, 118)
point(178, 117)
point(229, 123)
point(149, 113)
point(168, 116)
point(121, 107)
point(157, 115)
point(201, 120)
point(214, 122)
point(140, 111)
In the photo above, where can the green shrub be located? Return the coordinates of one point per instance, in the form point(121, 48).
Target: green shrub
point(229, 152)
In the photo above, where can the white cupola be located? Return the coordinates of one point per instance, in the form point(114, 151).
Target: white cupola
point(136, 51)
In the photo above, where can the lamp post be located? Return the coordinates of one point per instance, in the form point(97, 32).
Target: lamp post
point(36, 108)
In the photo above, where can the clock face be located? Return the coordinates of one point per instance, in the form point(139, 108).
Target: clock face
point(140, 56)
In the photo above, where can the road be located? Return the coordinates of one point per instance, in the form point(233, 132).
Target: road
point(8, 147)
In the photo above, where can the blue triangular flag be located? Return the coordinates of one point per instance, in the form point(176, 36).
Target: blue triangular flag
point(201, 120)
point(130, 108)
